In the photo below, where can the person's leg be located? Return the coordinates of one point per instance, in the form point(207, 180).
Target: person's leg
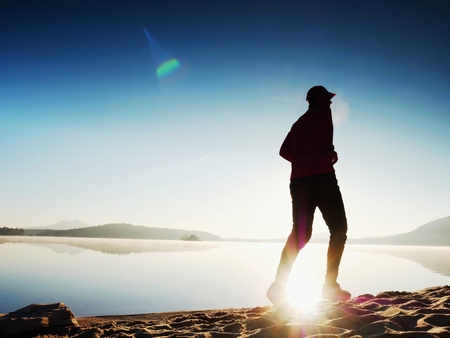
point(302, 219)
point(331, 205)
point(303, 215)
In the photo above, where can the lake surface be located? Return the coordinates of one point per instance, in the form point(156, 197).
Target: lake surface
point(117, 276)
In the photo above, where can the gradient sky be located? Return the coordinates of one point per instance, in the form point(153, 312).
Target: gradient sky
point(89, 131)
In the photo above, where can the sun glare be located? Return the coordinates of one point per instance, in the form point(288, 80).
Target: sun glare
point(304, 292)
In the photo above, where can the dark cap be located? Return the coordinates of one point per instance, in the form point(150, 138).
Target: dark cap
point(316, 92)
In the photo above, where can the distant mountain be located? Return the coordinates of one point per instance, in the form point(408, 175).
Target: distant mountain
point(65, 225)
point(130, 231)
point(435, 233)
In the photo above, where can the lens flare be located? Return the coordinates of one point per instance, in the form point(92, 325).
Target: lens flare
point(168, 68)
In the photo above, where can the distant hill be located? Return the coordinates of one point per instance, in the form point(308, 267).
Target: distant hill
point(435, 233)
point(123, 230)
point(65, 225)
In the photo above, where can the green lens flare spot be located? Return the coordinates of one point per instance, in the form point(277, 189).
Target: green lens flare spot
point(167, 68)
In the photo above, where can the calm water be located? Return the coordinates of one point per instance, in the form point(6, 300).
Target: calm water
point(115, 276)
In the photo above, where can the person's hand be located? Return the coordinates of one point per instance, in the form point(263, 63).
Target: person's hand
point(333, 155)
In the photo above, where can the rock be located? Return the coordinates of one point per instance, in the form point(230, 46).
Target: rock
point(37, 318)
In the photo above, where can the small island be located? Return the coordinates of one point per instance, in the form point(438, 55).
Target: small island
point(192, 238)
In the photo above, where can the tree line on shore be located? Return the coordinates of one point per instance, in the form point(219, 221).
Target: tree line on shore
point(4, 231)
point(118, 230)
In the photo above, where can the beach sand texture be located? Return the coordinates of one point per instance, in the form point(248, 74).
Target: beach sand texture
point(424, 313)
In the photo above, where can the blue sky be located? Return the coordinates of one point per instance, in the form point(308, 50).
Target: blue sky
point(88, 131)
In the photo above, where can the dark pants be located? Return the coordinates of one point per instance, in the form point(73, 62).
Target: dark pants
point(307, 193)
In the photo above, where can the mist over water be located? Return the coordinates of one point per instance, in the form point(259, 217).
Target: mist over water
point(115, 276)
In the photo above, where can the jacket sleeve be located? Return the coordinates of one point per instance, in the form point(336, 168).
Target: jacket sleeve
point(286, 148)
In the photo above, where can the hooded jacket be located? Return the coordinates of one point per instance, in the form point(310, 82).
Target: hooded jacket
point(308, 143)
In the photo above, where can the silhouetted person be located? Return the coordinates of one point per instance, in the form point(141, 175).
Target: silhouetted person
point(309, 148)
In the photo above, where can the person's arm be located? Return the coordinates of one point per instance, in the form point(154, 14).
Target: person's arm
point(324, 129)
point(286, 148)
point(333, 154)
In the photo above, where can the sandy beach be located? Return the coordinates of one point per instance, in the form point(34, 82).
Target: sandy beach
point(423, 313)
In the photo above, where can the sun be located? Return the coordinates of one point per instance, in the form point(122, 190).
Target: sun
point(304, 292)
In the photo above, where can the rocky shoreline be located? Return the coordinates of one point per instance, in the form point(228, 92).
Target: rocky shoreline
point(423, 313)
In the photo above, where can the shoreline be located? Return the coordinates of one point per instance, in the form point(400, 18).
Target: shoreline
point(422, 313)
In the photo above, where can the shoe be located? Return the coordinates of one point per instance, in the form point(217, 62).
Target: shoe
point(278, 296)
point(334, 293)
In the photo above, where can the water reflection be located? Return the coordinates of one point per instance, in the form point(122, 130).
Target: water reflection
point(115, 246)
point(435, 259)
point(179, 275)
